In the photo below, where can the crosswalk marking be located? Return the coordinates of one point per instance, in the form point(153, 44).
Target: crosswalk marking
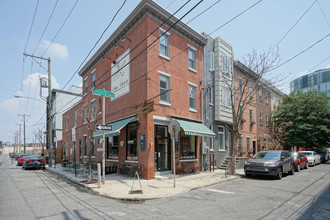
point(220, 191)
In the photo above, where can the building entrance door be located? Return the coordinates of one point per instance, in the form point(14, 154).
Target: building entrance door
point(162, 148)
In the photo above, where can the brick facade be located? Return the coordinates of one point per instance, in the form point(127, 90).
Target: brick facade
point(144, 87)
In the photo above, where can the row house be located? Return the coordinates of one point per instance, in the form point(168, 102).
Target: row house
point(155, 71)
point(217, 110)
point(255, 128)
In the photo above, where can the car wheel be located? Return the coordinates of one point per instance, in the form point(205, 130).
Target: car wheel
point(291, 172)
point(279, 174)
point(314, 163)
point(298, 168)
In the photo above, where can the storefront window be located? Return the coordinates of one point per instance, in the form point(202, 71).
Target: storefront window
point(131, 142)
point(112, 148)
point(187, 146)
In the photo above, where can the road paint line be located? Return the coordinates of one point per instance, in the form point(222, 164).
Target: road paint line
point(220, 191)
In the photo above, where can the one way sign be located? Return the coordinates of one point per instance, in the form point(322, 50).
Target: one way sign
point(104, 127)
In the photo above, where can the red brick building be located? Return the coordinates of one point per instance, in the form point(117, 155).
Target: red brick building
point(156, 76)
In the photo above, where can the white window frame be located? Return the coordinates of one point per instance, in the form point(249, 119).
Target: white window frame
point(168, 77)
point(66, 148)
point(66, 122)
point(211, 138)
point(211, 61)
point(266, 99)
point(250, 91)
point(251, 114)
point(167, 35)
point(248, 143)
point(193, 51)
point(75, 119)
point(85, 114)
point(225, 97)
point(85, 86)
point(240, 85)
point(267, 120)
point(191, 85)
point(93, 80)
point(225, 66)
point(222, 133)
point(260, 95)
point(261, 120)
point(93, 110)
point(240, 143)
point(211, 96)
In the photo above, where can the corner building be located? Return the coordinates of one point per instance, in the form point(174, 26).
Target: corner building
point(156, 76)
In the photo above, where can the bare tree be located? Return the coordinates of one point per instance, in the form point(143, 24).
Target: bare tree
point(89, 117)
point(243, 92)
point(40, 137)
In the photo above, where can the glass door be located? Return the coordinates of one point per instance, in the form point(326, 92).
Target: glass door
point(162, 149)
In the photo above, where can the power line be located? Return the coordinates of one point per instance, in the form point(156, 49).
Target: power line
point(236, 16)
point(51, 15)
point(319, 63)
point(325, 17)
point(295, 23)
point(113, 18)
point(300, 52)
point(204, 11)
point(60, 28)
point(35, 12)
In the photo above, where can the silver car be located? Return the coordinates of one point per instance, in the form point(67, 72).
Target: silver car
point(312, 157)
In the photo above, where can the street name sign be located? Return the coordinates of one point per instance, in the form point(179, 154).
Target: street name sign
point(104, 127)
point(103, 92)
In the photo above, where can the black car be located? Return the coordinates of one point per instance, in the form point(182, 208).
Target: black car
point(36, 162)
point(323, 152)
point(270, 163)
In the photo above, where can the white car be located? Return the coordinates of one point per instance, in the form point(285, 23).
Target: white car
point(312, 157)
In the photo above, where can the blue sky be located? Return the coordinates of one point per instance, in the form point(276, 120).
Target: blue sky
point(259, 28)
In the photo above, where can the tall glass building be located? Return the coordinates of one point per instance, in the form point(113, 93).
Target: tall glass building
point(318, 80)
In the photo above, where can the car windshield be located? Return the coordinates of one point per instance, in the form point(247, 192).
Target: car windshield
point(34, 157)
point(307, 154)
point(267, 155)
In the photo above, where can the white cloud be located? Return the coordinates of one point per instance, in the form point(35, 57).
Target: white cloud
point(328, 66)
point(56, 50)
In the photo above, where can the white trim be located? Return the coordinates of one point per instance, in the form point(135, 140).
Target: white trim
point(191, 47)
point(193, 70)
point(161, 102)
point(131, 161)
point(164, 74)
point(192, 110)
point(192, 160)
point(166, 32)
point(192, 84)
point(111, 160)
point(165, 57)
point(161, 118)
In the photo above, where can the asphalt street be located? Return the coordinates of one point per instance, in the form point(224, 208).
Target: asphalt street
point(37, 194)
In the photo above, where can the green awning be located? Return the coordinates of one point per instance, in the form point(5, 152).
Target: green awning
point(195, 128)
point(116, 127)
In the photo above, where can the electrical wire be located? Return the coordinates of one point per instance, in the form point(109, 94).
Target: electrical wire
point(35, 12)
point(204, 11)
point(51, 15)
point(319, 63)
point(60, 28)
point(325, 17)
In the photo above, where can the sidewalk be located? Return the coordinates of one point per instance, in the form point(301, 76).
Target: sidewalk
point(119, 187)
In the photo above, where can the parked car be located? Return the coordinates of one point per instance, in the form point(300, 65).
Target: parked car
point(20, 159)
point(270, 163)
point(11, 154)
point(36, 162)
point(16, 155)
point(300, 161)
point(328, 153)
point(323, 154)
point(313, 157)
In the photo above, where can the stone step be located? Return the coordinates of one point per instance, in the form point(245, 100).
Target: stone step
point(164, 177)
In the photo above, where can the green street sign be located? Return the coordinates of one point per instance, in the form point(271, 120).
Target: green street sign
point(103, 92)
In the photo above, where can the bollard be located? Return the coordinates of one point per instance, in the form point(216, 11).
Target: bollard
point(99, 175)
point(213, 163)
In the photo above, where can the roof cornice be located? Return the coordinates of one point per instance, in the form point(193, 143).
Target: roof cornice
point(144, 8)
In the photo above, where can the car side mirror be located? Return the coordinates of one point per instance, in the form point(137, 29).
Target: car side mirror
point(282, 157)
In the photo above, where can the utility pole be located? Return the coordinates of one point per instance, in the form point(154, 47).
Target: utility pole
point(49, 107)
point(19, 138)
point(24, 131)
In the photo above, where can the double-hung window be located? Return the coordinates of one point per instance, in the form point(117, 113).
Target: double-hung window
point(85, 86)
point(164, 43)
point(75, 119)
point(85, 145)
point(248, 146)
point(92, 110)
point(266, 99)
point(164, 88)
point(211, 139)
point(225, 64)
point(251, 115)
point(267, 120)
point(260, 95)
point(192, 58)
point(240, 144)
point(66, 122)
point(85, 114)
point(93, 79)
point(250, 91)
point(192, 97)
point(261, 119)
point(221, 132)
point(240, 81)
point(211, 91)
point(225, 98)
point(211, 61)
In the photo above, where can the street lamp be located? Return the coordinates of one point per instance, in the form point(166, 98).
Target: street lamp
point(26, 97)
